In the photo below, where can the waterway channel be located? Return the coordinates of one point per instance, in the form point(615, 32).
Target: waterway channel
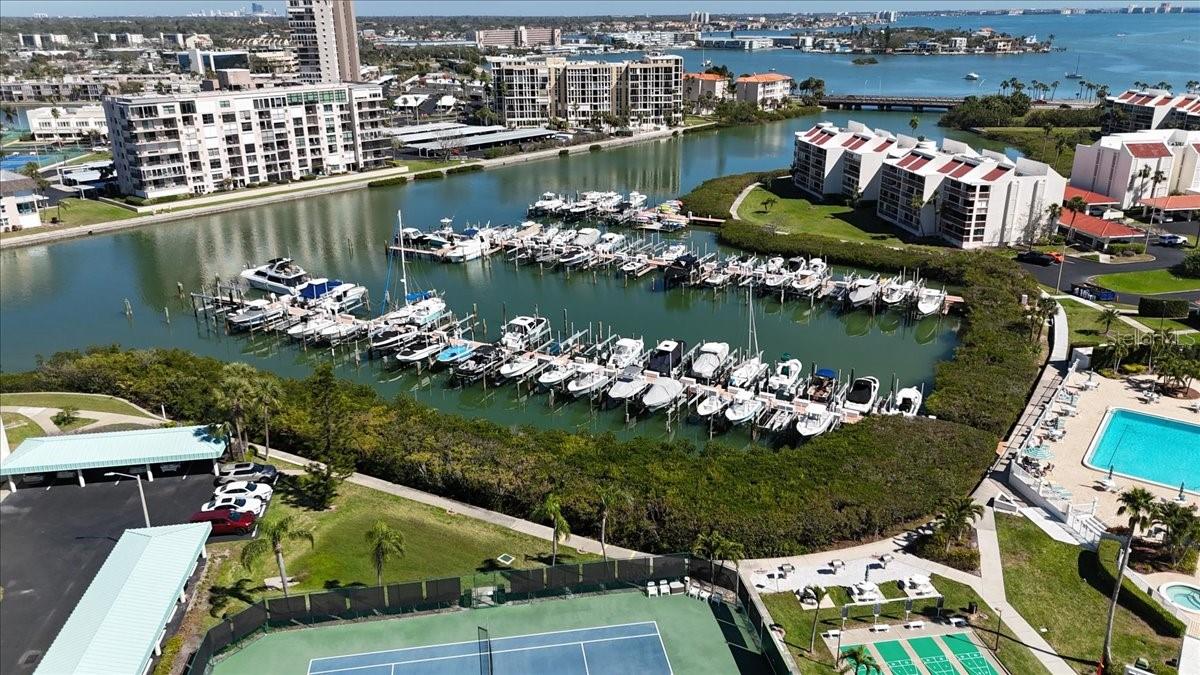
point(70, 294)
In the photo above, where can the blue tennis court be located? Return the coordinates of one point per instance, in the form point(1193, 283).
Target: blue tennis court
point(605, 650)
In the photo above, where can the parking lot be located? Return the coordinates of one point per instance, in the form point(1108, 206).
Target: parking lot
point(54, 539)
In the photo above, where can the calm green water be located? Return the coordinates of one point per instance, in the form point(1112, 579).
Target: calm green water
point(70, 294)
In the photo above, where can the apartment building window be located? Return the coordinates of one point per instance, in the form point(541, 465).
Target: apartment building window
point(207, 118)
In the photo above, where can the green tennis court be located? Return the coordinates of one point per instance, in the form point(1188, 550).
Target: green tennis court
point(932, 656)
point(896, 657)
point(968, 654)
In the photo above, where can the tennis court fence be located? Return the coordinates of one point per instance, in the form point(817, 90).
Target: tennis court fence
point(485, 589)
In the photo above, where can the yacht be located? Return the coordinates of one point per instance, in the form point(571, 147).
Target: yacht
point(816, 420)
point(626, 352)
point(906, 402)
point(635, 200)
point(563, 238)
point(667, 356)
point(309, 326)
point(340, 330)
point(785, 377)
point(610, 242)
point(711, 405)
point(548, 204)
point(708, 362)
point(635, 264)
point(525, 332)
point(663, 392)
point(519, 366)
point(279, 275)
point(579, 210)
point(862, 395)
point(587, 237)
point(895, 292)
point(392, 335)
point(343, 298)
point(862, 291)
point(745, 407)
point(574, 257)
point(672, 252)
point(466, 250)
point(930, 301)
point(591, 378)
point(546, 236)
point(558, 373)
point(420, 348)
point(254, 314)
point(630, 383)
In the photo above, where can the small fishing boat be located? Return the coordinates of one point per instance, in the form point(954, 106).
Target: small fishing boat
point(718, 278)
point(785, 377)
point(821, 386)
point(466, 250)
point(744, 408)
point(525, 332)
point(478, 364)
point(806, 281)
point(906, 402)
point(455, 353)
point(629, 385)
point(281, 276)
point(663, 392)
point(558, 373)
point(635, 264)
point(748, 373)
point(626, 352)
point(816, 420)
point(930, 301)
point(862, 394)
point(711, 357)
point(254, 314)
point(862, 291)
point(391, 336)
point(309, 326)
point(635, 200)
point(422, 347)
point(895, 291)
point(591, 378)
point(711, 405)
point(519, 366)
point(971, 76)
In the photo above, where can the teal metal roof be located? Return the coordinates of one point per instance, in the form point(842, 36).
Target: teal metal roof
point(117, 622)
point(113, 449)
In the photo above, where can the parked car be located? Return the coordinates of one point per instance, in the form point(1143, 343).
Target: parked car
point(242, 488)
point(227, 521)
point(1168, 239)
point(250, 504)
point(1038, 258)
point(247, 471)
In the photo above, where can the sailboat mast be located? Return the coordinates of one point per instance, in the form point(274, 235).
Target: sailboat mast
point(403, 260)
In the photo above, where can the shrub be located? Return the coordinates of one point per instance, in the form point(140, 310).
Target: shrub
point(307, 177)
point(1190, 266)
point(564, 152)
point(1104, 562)
point(170, 652)
point(1162, 307)
point(594, 147)
point(1132, 368)
point(387, 182)
point(715, 196)
point(464, 168)
point(65, 416)
point(994, 110)
point(427, 175)
point(933, 547)
point(1126, 249)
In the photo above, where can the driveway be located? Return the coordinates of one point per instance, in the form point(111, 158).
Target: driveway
point(53, 541)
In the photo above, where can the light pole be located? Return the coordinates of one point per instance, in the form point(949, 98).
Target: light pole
point(141, 493)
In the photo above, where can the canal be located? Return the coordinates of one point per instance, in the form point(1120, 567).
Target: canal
point(71, 294)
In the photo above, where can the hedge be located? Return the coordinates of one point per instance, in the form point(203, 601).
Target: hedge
point(464, 168)
point(388, 182)
point(1190, 266)
point(427, 175)
point(1131, 597)
point(714, 197)
point(595, 147)
point(1162, 307)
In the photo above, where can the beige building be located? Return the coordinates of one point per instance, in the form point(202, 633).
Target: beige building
point(765, 90)
point(324, 35)
point(518, 37)
point(173, 145)
point(67, 124)
point(697, 86)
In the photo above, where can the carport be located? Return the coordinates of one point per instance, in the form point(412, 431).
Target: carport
point(135, 451)
point(1173, 204)
point(1096, 232)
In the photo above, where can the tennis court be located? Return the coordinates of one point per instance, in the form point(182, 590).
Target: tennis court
point(932, 656)
point(968, 654)
point(896, 657)
point(628, 648)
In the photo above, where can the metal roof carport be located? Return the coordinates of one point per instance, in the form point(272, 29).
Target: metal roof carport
point(117, 449)
point(410, 140)
point(120, 622)
point(474, 142)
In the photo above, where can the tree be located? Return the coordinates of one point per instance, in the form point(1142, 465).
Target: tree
point(706, 546)
point(1053, 213)
point(769, 203)
point(1053, 89)
point(328, 430)
point(1155, 178)
point(1182, 528)
point(610, 496)
point(385, 544)
point(858, 660)
point(1108, 315)
point(65, 417)
point(550, 510)
point(1047, 129)
point(956, 517)
point(1076, 206)
point(1060, 144)
point(9, 111)
point(34, 173)
point(272, 534)
point(1120, 349)
point(1138, 504)
point(233, 396)
point(732, 551)
point(266, 398)
point(914, 122)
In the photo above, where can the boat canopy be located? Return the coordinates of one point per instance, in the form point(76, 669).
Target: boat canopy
point(826, 372)
point(319, 288)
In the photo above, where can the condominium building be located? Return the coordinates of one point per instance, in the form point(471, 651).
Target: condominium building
point(697, 86)
point(532, 91)
point(1140, 165)
point(118, 39)
point(68, 88)
point(1134, 110)
point(42, 40)
point(20, 204)
point(324, 35)
point(172, 145)
point(765, 90)
point(831, 160)
point(67, 124)
point(520, 37)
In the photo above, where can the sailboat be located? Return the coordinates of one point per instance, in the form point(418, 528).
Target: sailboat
point(1076, 75)
point(753, 369)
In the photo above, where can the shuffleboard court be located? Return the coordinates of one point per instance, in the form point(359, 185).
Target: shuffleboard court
point(968, 655)
point(603, 650)
point(932, 656)
point(896, 657)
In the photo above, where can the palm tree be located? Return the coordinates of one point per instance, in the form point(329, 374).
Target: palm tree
point(272, 534)
point(234, 394)
point(1142, 173)
point(858, 660)
point(1192, 85)
point(1053, 89)
point(913, 123)
point(1060, 144)
point(1120, 349)
point(550, 510)
point(958, 513)
point(1076, 206)
point(706, 546)
point(732, 551)
point(1045, 308)
point(1182, 527)
point(1053, 212)
point(266, 397)
point(1108, 315)
point(385, 544)
point(610, 496)
point(1157, 177)
point(1138, 504)
point(1047, 129)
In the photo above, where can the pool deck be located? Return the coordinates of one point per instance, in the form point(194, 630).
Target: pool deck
point(1070, 452)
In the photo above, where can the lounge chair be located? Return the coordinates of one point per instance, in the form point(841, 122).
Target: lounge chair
point(651, 589)
point(664, 587)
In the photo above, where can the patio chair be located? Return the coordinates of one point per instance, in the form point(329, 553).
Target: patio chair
point(651, 589)
point(664, 587)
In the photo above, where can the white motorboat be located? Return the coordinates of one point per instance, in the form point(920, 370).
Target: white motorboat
point(820, 267)
point(423, 347)
point(806, 281)
point(309, 327)
point(549, 203)
point(519, 366)
point(775, 264)
point(785, 377)
point(773, 281)
point(718, 278)
point(279, 275)
point(466, 250)
point(930, 301)
point(862, 395)
point(711, 357)
point(630, 383)
point(711, 405)
point(816, 420)
point(340, 330)
point(663, 391)
point(255, 313)
point(587, 237)
point(525, 332)
point(558, 373)
point(862, 291)
point(906, 402)
point(420, 313)
point(744, 408)
point(390, 336)
point(610, 242)
point(547, 235)
point(563, 238)
point(580, 209)
point(971, 76)
point(576, 257)
point(635, 200)
point(672, 252)
point(747, 373)
point(666, 357)
point(626, 352)
point(634, 264)
point(343, 298)
point(591, 379)
point(895, 291)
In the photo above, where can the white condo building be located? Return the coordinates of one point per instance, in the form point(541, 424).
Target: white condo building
point(195, 144)
point(832, 160)
point(1134, 110)
point(58, 123)
point(324, 35)
point(1124, 166)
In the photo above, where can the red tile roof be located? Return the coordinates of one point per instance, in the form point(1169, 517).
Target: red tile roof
point(908, 159)
point(1148, 150)
point(1128, 94)
point(995, 173)
point(884, 145)
point(764, 77)
point(1173, 203)
point(708, 77)
point(1087, 195)
point(921, 161)
point(1097, 227)
point(823, 138)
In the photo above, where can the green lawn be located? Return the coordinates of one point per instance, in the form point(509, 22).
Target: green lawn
point(91, 157)
point(1032, 143)
point(1086, 328)
point(794, 214)
point(417, 165)
point(693, 120)
point(1148, 282)
point(18, 427)
point(76, 212)
point(797, 624)
point(1167, 324)
point(438, 543)
point(97, 403)
point(1057, 587)
point(77, 423)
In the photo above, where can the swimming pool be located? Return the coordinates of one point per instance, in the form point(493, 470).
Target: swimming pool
point(1149, 448)
point(1184, 596)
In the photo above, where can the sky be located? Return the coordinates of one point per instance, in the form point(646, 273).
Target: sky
point(533, 7)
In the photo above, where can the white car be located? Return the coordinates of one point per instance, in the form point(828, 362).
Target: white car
point(1172, 240)
point(242, 488)
point(249, 504)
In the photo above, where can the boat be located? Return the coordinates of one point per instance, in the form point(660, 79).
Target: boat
point(630, 383)
point(711, 405)
point(666, 357)
point(558, 373)
point(1076, 75)
point(525, 332)
point(718, 278)
point(591, 378)
point(519, 366)
point(466, 250)
point(579, 210)
point(708, 361)
point(626, 352)
point(971, 76)
point(635, 264)
point(635, 200)
point(547, 235)
point(930, 301)
point(478, 363)
point(862, 395)
point(785, 377)
point(663, 392)
point(906, 402)
point(587, 237)
point(563, 238)
point(821, 386)
point(309, 326)
point(610, 242)
point(455, 353)
point(255, 313)
point(576, 257)
point(748, 372)
point(672, 252)
point(392, 335)
point(340, 330)
point(548, 204)
point(816, 420)
point(806, 281)
point(744, 408)
point(862, 291)
point(895, 291)
point(279, 275)
point(343, 298)
point(420, 348)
